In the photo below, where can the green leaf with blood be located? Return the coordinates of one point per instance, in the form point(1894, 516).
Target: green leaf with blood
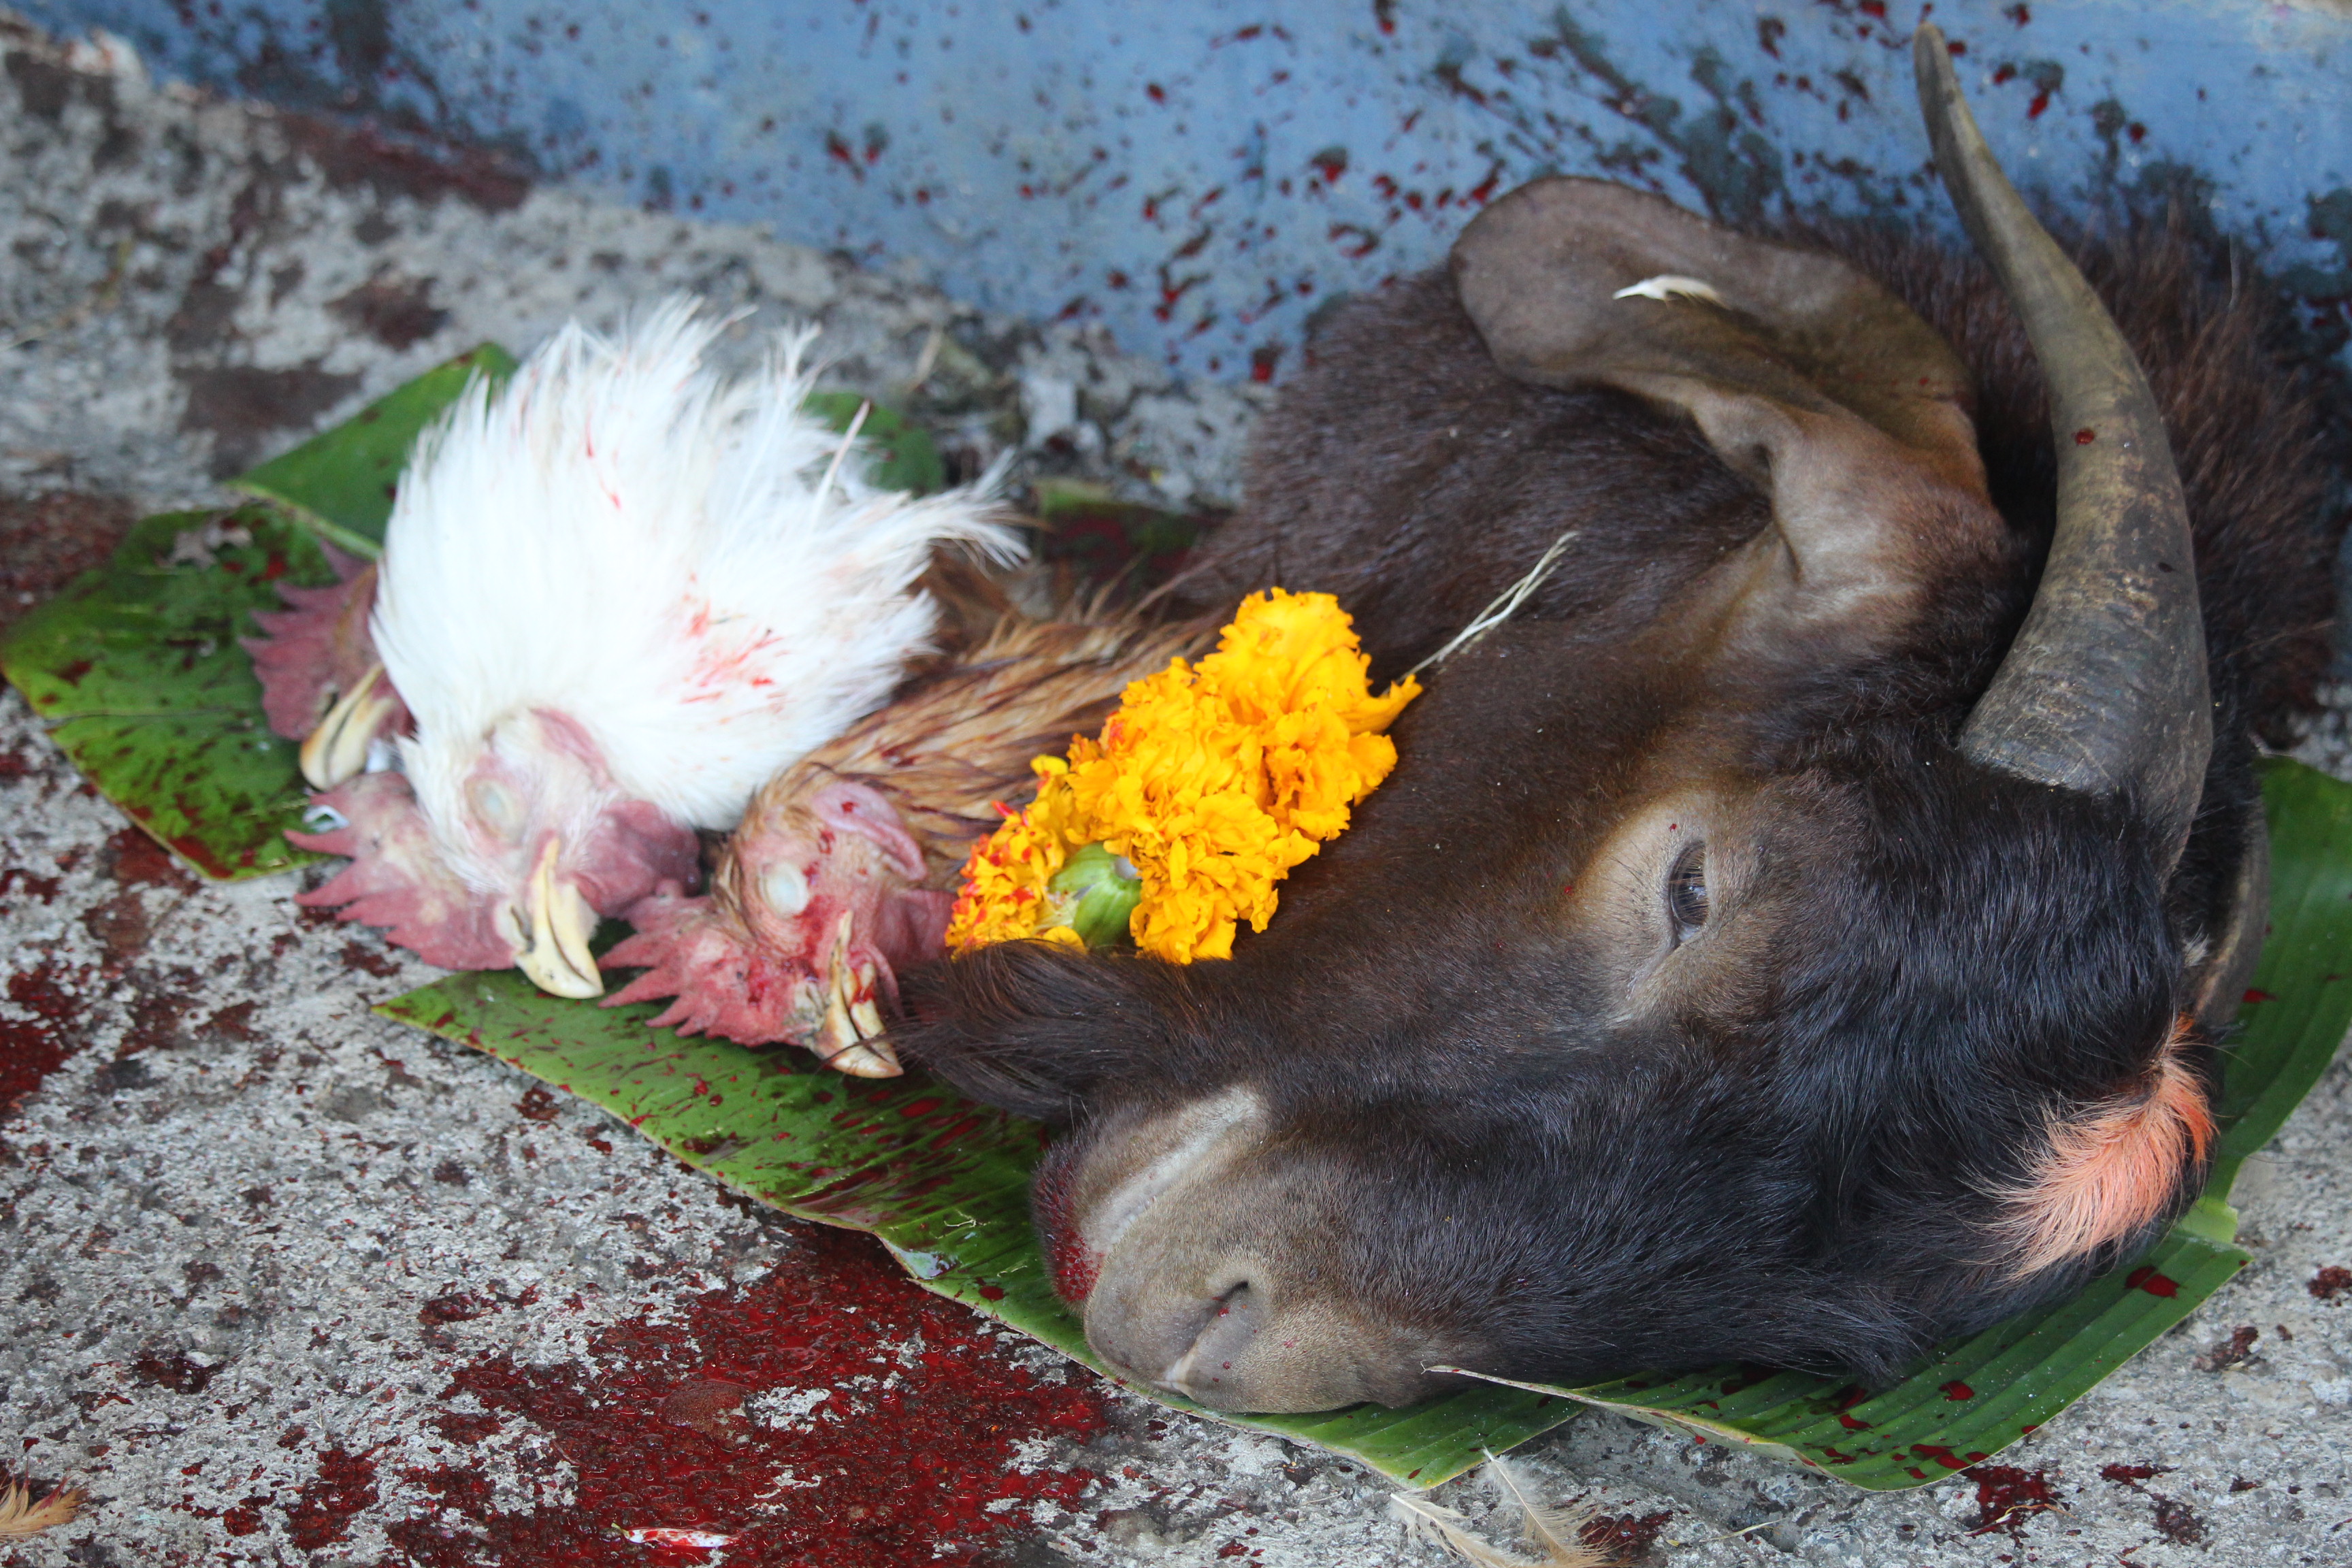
point(1978, 1395)
point(904, 457)
point(2300, 1003)
point(341, 482)
point(944, 1181)
point(136, 669)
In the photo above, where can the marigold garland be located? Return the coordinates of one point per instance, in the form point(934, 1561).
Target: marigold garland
point(1212, 781)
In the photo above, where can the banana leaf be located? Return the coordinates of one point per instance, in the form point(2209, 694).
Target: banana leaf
point(341, 482)
point(904, 457)
point(944, 1182)
point(136, 666)
point(136, 669)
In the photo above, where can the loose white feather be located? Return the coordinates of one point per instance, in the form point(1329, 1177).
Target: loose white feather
point(617, 536)
point(1550, 1532)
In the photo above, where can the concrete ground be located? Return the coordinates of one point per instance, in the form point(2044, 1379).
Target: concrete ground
point(282, 1283)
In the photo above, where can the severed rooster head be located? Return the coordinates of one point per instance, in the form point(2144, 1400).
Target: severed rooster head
point(617, 595)
point(842, 869)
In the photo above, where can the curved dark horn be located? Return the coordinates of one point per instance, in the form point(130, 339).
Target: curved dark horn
point(2105, 688)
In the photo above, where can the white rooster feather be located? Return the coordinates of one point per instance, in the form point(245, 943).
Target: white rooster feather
point(617, 595)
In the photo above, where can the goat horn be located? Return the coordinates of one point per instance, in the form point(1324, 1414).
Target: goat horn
point(2105, 688)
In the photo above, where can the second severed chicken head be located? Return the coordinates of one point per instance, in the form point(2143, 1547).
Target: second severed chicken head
point(842, 871)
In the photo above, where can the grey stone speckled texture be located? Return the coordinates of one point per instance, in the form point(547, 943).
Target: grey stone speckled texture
point(231, 1208)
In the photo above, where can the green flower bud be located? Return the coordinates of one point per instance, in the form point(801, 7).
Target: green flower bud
point(1095, 894)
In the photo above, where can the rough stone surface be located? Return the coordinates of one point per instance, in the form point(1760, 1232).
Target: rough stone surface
point(283, 1282)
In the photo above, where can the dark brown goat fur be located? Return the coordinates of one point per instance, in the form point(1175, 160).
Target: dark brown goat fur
point(1799, 1157)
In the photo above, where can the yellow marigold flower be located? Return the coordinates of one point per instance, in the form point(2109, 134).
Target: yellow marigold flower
point(1212, 781)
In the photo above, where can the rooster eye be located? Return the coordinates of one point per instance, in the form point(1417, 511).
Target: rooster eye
point(494, 806)
point(1687, 892)
point(784, 890)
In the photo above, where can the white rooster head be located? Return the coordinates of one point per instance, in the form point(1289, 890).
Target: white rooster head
point(616, 596)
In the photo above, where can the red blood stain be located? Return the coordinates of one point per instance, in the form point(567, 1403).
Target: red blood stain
point(2003, 74)
point(2253, 996)
point(2179, 1523)
point(1957, 1390)
point(457, 1307)
point(32, 1048)
point(322, 1511)
point(873, 1475)
point(460, 1427)
point(136, 860)
point(370, 960)
point(177, 1374)
point(2145, 1278)
point(2006, 1496)
point(1940, 1453)
point(2040, 102)
point(2086, 435)
point(1621, 1535)
point(17, 880)
point(2330, 1282)
point(2132, 1475)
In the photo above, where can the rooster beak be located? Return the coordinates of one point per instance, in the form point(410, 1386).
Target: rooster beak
point(338, 748)
point(558, 960)
point(848, 1038)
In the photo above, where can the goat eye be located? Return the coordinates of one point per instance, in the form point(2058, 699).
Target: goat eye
point(1687, 892)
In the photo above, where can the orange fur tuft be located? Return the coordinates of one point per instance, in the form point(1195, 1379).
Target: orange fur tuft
point(2110, 1171)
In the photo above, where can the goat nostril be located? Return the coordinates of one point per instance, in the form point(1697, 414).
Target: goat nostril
point(1224, 1334)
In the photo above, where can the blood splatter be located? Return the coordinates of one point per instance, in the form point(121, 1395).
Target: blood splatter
point(322, 1511)
point(909, 1420)
point(1958, 1391)
point(177, 1374)
point(2330, 1282)
point(2179, 1523)
point(32, 1048)
point(2131, 1475)
point(2006, 1496)
point(134, 859)
point(2232, 1352)
point(2146, 1277)
point(1623, 1536)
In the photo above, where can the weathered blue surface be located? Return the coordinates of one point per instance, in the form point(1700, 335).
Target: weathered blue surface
point(1199, 175)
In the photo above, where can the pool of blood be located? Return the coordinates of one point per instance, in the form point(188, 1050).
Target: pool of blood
point(911, 1456)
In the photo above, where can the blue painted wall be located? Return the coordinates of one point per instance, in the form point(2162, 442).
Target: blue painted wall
point(1201, 174)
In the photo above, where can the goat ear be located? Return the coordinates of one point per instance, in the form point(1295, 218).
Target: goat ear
point(1803, 375)
point(2112, 1168)
point(1028, 1026)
